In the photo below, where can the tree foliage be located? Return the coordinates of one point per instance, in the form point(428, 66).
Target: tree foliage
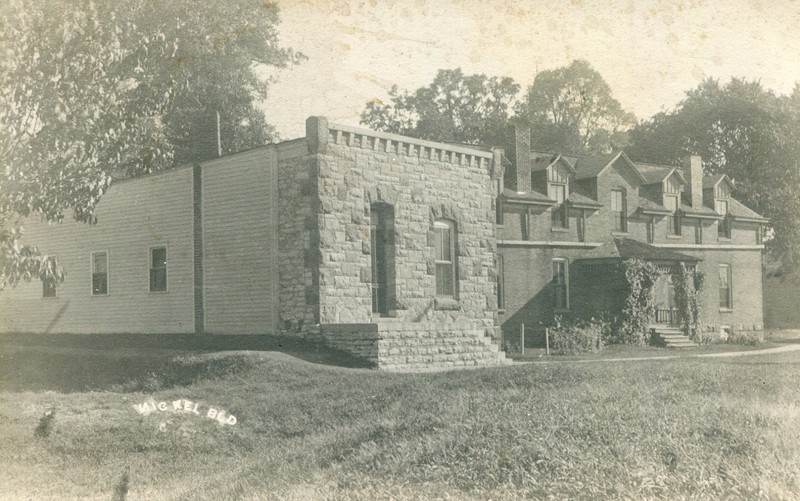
point(454, 107)
point(746, 132)
point(571, 109)
point(89, 87)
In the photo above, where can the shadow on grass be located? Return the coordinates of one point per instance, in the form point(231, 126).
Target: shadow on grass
point(128, 362)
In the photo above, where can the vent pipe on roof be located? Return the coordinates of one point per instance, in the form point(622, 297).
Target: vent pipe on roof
point(206, 139)
point(693, 170)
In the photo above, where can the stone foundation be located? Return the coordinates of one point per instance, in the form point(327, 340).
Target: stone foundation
point(396, 345)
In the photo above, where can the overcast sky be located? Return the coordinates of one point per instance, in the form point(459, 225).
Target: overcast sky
point(649, 51)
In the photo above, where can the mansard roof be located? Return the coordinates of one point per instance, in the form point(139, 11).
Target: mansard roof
point(588, 167)
point(712, 181)
point(530, 197)
point(543, 161)
point(657, 173)
point(582, 202)
point(626, 248)
point(740, 212)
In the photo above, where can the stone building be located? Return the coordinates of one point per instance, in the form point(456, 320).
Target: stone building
point(379, 244)
point(409, 253)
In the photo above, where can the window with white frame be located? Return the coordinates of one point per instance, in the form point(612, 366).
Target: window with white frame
point(558, 192)
point(158, 269)
point(445, 258)
point(673, 220)
point(560, 285)
point(618, 210)
point(725, 289)
point(724, 225)
point(99, 273)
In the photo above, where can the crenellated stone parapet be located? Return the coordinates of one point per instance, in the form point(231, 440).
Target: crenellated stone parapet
point(323, 133)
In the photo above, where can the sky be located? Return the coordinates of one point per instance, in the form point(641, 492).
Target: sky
point(649, 51)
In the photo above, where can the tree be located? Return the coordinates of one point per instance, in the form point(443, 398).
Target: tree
point(571, 110)
point(746, 132)
point(454, 107)
point(86, 89)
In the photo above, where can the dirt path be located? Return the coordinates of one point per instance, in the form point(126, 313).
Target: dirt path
point(766, 351)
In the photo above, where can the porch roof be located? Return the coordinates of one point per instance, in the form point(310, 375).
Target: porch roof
point(626, 248)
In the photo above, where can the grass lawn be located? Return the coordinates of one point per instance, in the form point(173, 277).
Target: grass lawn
point(726, 428)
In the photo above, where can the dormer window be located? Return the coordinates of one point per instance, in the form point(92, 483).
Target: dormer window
point(724, 225)
point(674, 219)
point(558, 192)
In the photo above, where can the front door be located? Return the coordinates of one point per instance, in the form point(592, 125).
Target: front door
point(666, 307)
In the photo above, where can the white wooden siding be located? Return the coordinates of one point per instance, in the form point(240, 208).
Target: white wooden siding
point(239, 243)
point(132, 217)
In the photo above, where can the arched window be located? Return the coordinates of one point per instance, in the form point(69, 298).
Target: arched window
point(445, 258)
point(382, 253)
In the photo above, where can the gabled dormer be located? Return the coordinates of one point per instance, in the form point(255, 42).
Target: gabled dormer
point(717, 192)
point(551, 174)
point(663, 186)
point(617, 191)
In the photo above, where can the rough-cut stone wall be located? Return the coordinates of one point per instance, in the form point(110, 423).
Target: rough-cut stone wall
point(298, 299)
point(423, 182)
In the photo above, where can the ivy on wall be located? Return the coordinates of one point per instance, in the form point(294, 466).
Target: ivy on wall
point(688, 285)
point(639, 308)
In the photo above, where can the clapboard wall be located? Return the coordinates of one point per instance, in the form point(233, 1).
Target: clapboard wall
point(132, 217)
point(239, 194)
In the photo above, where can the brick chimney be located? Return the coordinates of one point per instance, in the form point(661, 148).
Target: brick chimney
point(522, 159)
point(693, 171)
point(207, 142)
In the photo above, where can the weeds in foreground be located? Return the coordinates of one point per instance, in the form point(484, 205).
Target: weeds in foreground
point(45, 425)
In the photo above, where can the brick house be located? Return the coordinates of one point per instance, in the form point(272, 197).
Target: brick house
point(393, 248)
point(562, 220)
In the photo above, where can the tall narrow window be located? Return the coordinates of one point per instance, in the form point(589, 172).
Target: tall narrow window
point(99, 273)
point(651, 230)
point(725, 278)
point(618, 210)
point(558, 192)
point(560, 285)
point(501, 283)
point(581, 225)
point(445, 258)
point(759, 235)
point(49, 283)
point(673, 220)
point(698, 232)
point(723, 226)
point(382, 254)
point(158, 269)
point(499, 211)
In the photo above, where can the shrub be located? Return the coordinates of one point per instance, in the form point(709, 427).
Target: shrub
point(577, 336)
point(45, 425)
point(749, 338)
